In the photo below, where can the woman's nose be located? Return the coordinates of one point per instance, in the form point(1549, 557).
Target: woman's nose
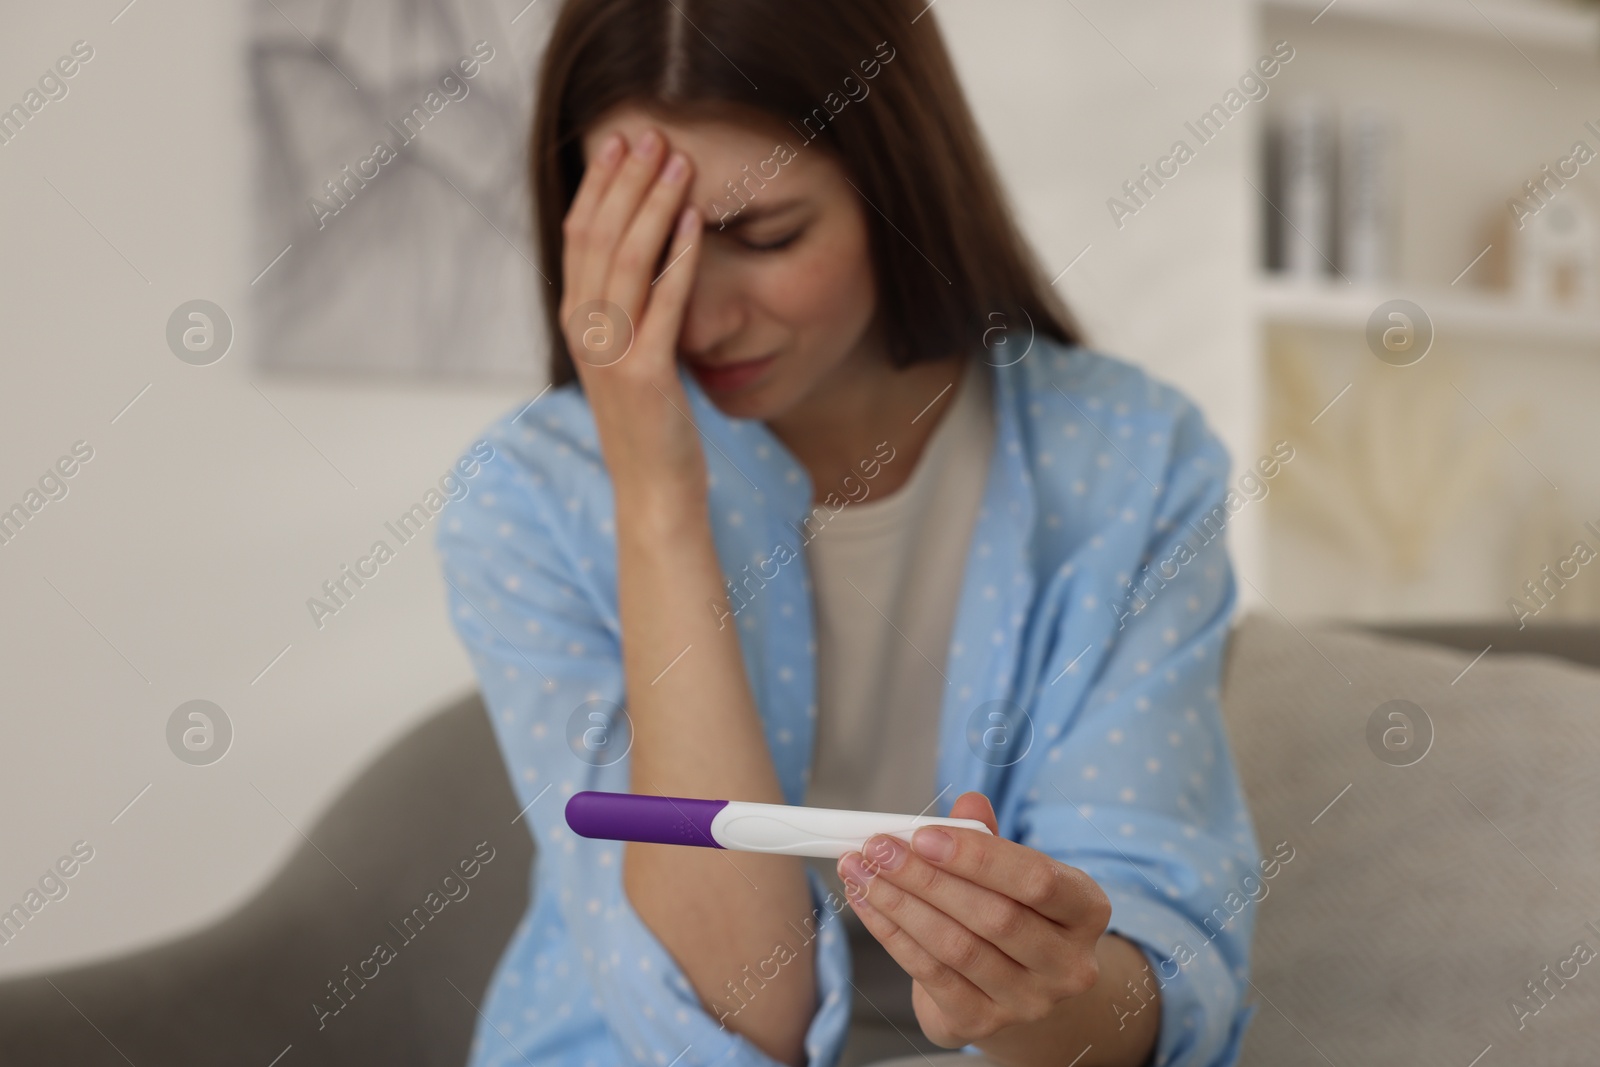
point(715, 313)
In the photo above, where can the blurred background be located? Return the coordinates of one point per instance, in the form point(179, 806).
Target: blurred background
point(1386, 253)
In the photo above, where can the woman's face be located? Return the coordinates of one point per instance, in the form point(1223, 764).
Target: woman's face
point(785, 294)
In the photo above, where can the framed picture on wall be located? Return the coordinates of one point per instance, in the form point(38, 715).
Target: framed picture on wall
point(391, 204)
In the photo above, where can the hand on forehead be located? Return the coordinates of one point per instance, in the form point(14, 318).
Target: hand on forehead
point(722, 151)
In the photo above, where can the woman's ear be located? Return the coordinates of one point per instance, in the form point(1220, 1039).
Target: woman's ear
point(974, 805)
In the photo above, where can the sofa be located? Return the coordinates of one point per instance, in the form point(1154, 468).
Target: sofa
point(1431, 890)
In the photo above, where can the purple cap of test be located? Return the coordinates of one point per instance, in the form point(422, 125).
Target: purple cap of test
point(641, 817)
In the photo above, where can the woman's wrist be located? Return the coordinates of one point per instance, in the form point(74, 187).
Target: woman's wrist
point(1101, 1018)
point(661, 515)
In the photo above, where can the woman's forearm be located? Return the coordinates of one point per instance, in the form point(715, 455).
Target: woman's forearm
point(697, 732)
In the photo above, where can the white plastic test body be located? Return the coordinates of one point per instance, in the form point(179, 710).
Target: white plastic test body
point(822, 832)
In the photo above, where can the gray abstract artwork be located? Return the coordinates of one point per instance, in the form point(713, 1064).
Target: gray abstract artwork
point(391, 196)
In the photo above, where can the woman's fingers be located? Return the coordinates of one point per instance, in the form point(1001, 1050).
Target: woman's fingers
point(627, 205)
point(1055, 890)
point(948, 942)
point(604, 229)
point(597, 176)
point(963, 1004)
point(663, 316)
point(634, 264)
point(1023, 934)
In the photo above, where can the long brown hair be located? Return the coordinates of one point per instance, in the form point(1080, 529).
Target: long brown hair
point(871, 82)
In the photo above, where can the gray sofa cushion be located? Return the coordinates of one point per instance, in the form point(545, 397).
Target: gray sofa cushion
point(242, 991)
point(1419, 904)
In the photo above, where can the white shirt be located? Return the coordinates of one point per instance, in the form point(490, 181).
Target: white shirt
point(886, 575)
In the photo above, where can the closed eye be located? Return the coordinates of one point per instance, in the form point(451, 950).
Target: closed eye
point(772, 246)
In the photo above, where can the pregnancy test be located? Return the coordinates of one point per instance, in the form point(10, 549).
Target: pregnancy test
point(740, 825)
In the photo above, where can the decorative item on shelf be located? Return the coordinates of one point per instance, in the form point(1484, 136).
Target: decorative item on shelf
point(1332, 191)
point(1368, 208)
point(1555, 256)
point(1300, 188)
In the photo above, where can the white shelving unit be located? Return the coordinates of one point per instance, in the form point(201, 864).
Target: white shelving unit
point(1484, 93)
point(1563, 27)
point(1466, 314)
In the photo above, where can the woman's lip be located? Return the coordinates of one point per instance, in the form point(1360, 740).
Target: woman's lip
point(731, 376)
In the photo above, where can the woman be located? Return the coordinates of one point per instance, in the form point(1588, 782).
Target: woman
point(827, 493)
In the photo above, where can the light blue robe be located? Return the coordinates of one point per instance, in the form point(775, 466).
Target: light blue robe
point(1094, 609)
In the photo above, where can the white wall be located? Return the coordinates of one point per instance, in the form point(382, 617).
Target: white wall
point(179, 564)
point(191, 540)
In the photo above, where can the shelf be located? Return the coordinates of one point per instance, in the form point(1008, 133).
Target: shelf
point(1469, 314)
point(1532, 23)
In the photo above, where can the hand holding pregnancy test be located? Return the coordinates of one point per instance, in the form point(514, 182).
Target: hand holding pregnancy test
point(993, 933)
